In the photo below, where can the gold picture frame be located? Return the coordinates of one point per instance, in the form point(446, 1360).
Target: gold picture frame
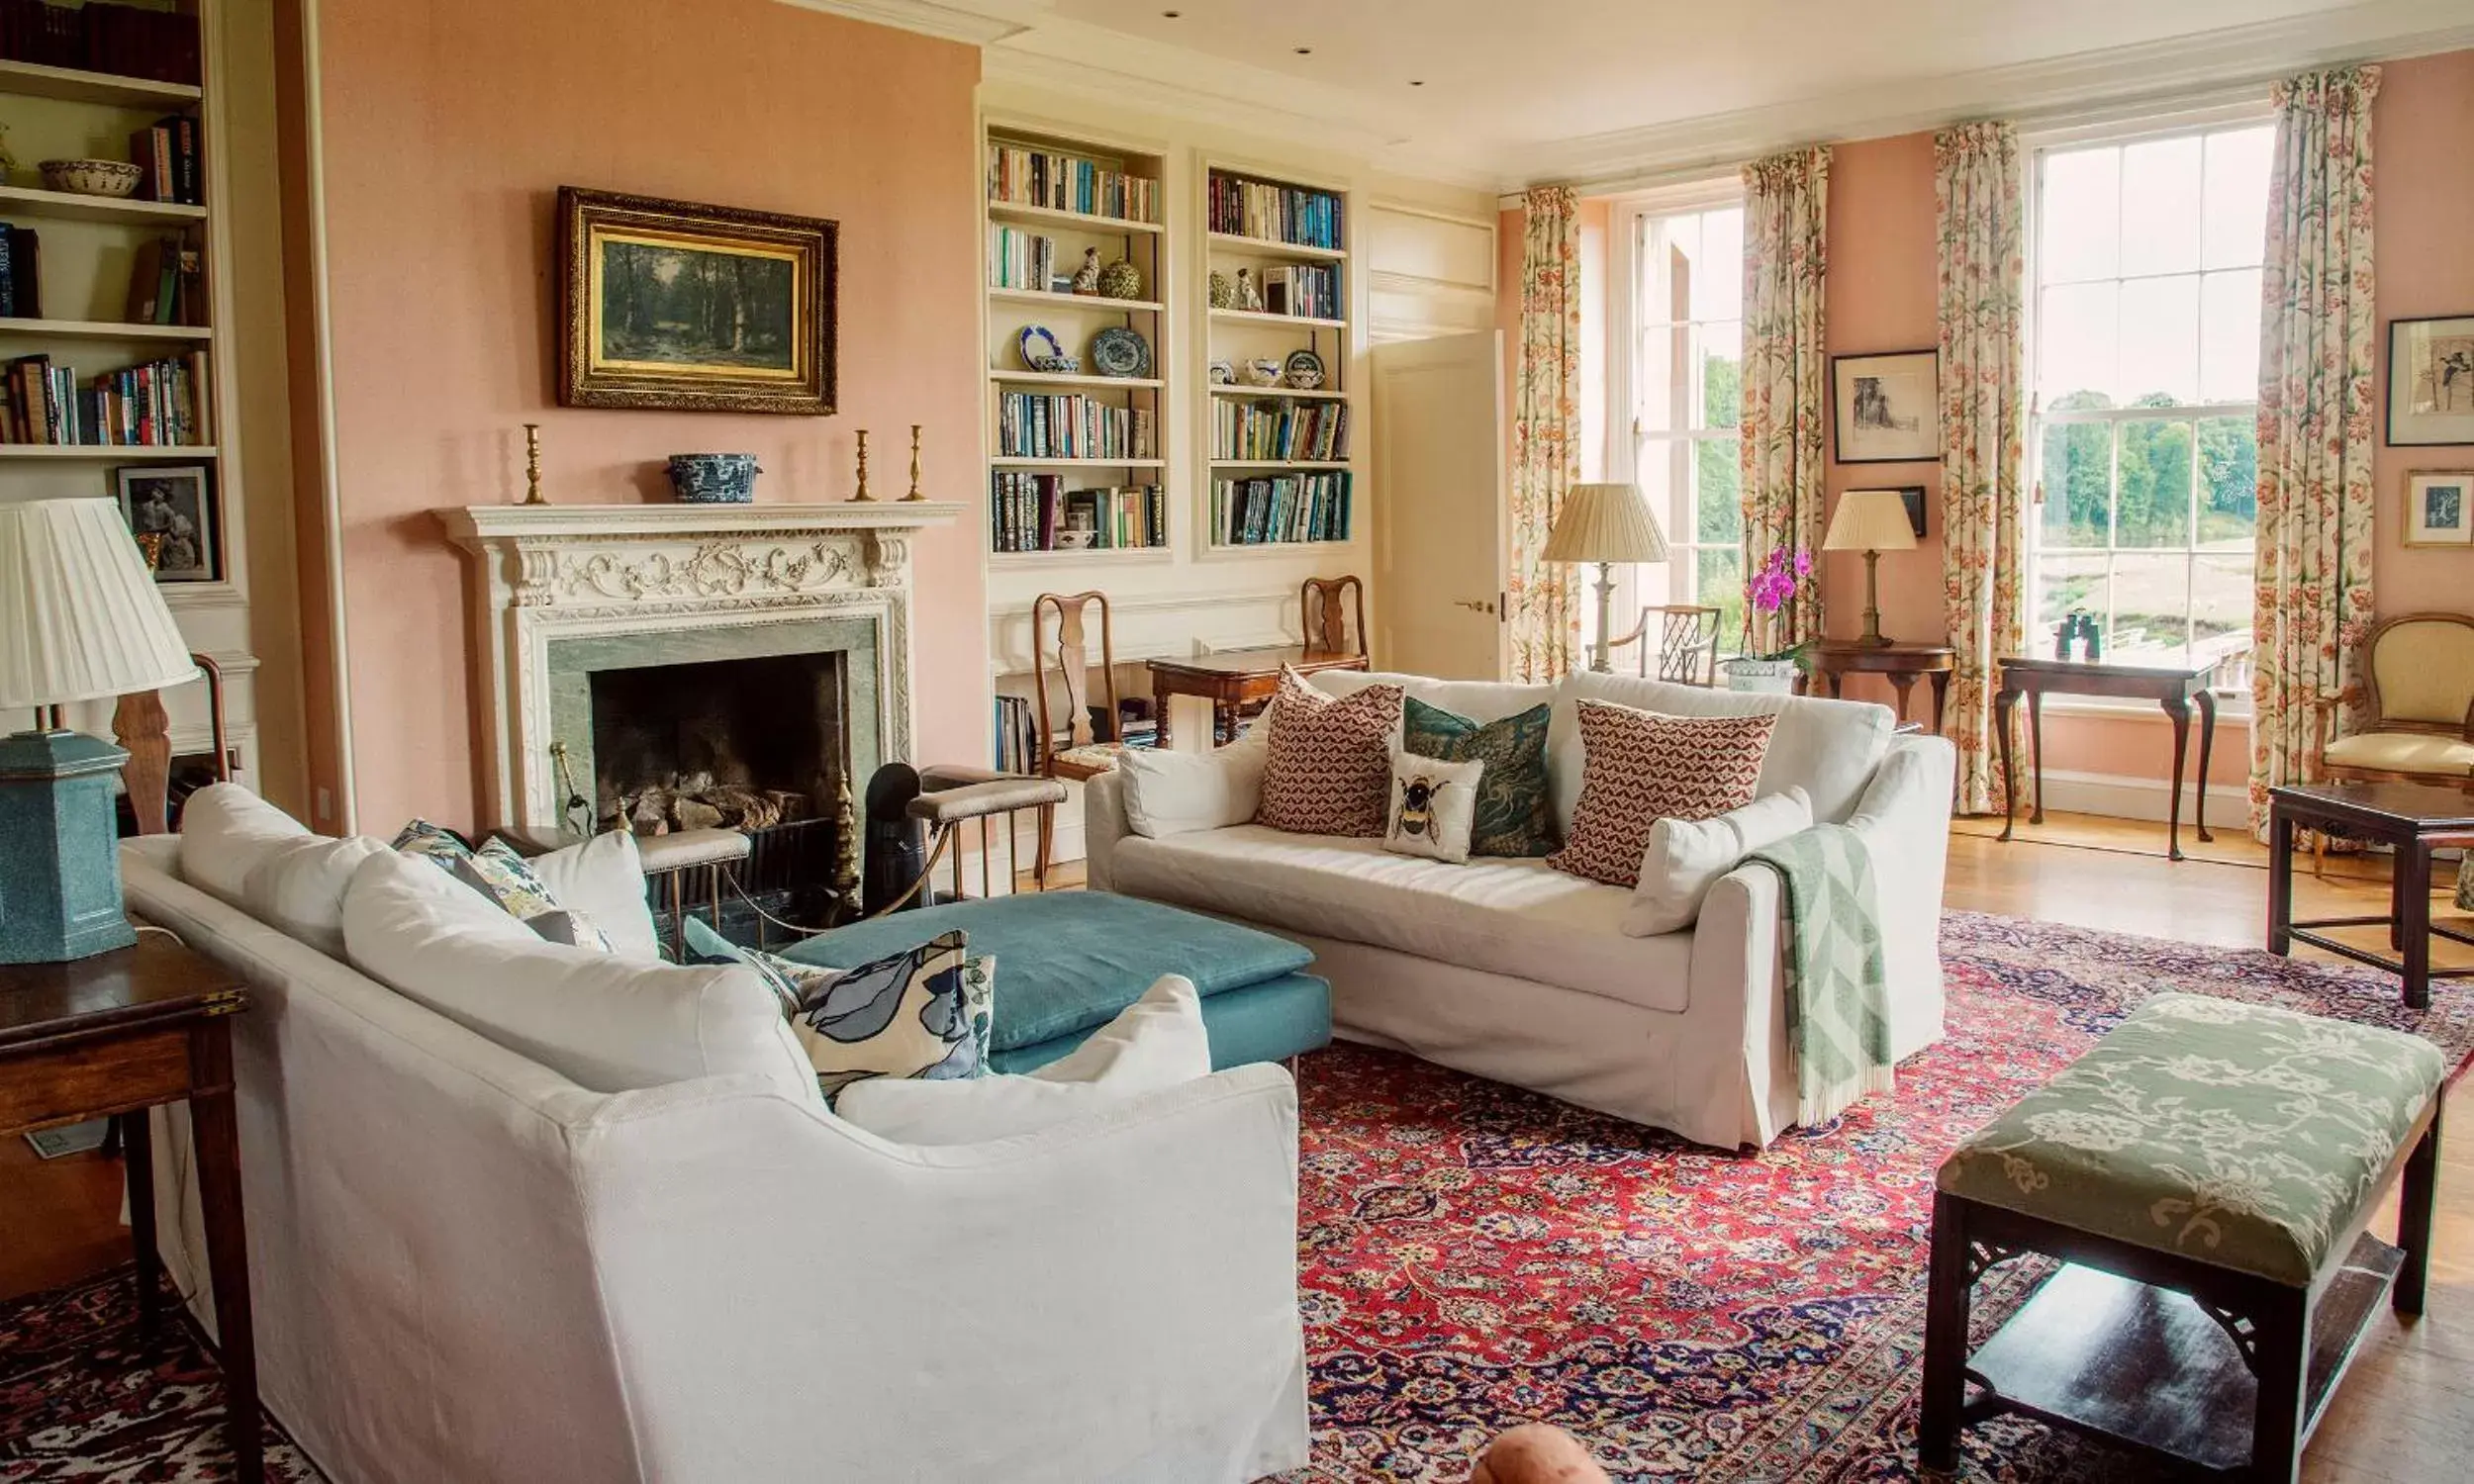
point(684, 307)
point(2438, 507)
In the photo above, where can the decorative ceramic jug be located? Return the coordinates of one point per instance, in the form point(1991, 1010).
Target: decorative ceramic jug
point(1121, 280)
point(1223, 293)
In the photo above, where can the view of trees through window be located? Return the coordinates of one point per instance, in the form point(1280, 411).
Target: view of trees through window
point(2147, 356)
point(1687, 401)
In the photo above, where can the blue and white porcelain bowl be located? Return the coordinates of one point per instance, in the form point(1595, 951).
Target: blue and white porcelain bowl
point(714, 478)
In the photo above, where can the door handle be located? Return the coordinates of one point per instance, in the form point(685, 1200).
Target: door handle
point(1473, 605)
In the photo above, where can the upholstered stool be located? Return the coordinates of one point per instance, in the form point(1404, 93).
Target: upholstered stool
point(1066, 962)
point(2206, 1170)
point(669, 858)
point(951, 795)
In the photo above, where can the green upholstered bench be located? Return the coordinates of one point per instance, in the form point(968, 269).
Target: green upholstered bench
point(2206, 1172)
point(1066, 962)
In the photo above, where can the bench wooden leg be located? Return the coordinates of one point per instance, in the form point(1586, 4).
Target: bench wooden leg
point(2415, 1195)
point(1944, 1339)
point(2282, 1348)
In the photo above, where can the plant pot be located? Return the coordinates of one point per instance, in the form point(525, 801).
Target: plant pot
point(1770, 677)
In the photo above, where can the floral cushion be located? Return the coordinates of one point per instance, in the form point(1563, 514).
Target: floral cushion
point(1329, 768)
point(2242, 1136)
point(499, 873)
point(1515, 809)
point(1639, 766)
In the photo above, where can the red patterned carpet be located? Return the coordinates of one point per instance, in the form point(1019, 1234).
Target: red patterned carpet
point(1473, 1257)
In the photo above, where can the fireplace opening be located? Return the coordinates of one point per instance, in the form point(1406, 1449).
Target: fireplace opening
point(745, 743)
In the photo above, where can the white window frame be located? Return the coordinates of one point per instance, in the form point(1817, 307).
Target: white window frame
point(2035, 146)
point(1675, 579)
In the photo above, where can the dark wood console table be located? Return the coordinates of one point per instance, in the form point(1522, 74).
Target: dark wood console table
point(1232, 679)
point(1903, 663)
point(115, 1035)
point(2173, 686)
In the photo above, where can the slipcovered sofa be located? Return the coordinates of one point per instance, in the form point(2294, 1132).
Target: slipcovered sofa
point(1510, 970)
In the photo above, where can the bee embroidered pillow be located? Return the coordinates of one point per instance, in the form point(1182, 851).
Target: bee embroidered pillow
point(1433, 804)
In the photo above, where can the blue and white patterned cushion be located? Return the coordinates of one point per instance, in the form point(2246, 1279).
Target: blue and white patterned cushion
point(923, 1012)
point(499, 873)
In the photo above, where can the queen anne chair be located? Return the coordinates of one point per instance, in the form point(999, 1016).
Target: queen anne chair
point(2417, 695)
point(1076, 738)
point(1326, 608)
point(1686, 643)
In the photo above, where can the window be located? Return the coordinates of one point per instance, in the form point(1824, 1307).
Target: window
point(2145, 346)
point(1683, 383)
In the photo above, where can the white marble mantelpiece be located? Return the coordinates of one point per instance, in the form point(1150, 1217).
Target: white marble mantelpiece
point(548, 572)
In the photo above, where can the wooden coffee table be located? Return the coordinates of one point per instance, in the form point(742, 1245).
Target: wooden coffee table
point(1231, 679)
point(2412, 819)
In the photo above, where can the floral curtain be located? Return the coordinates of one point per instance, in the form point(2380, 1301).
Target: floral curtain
point(1543, 602)
point(1983, 273)
point(2317, 358)
point(1786, 217)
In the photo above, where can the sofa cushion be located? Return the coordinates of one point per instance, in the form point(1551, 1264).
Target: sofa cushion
point(1515, 807)
point(604, 879)
point(2403, 752)
point(1686, 857)
point(1481, 701)
point(501, 875)
point(1639, 768)
point(1433, 804)
point(297, 887)
point(922, 1011)
point(1827, 748)
point(1519, 918)
point(224, 832)
point(605, 1022)
point(1331, 764)
point(1175, 793)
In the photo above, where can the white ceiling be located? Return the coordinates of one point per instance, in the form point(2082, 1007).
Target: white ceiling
point(1520, 90)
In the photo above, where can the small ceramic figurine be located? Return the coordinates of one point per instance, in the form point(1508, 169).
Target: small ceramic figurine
point(1223, 293)
point(1121, 280)
point(1249, 293)
point(8, 158)
point(1223, 373)
point(1265, 371)
point(1087, 277)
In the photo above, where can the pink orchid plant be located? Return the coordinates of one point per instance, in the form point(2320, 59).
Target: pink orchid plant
point(1768, 593)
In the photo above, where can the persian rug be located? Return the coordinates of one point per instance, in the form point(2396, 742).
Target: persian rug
point(1472, 1256)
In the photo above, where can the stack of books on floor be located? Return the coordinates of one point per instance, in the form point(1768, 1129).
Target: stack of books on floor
point(1274, 213)
point(159, 405)
point(1070, 425)
point(1316, 431)
point(1037, 513)
point(1303, 291)
point(1281, 508)
point(1018, 176)
point(1019, 260)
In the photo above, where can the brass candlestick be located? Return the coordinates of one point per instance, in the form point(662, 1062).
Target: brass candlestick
point(532, 464)
point(863, 495)
point(914, 465)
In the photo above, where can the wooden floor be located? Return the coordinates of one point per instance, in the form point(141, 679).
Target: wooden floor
point(2405, 1414)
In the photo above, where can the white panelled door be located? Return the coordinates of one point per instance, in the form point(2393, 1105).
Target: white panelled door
point(1440, 545)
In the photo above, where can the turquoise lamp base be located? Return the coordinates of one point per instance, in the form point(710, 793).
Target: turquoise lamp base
point(59, 849)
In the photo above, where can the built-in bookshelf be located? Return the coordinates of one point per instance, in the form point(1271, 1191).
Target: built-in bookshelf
point(1077, 453)
point(1280, 465)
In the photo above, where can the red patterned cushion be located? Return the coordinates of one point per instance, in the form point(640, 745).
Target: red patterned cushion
point(1329, 772)
point(1637, 768)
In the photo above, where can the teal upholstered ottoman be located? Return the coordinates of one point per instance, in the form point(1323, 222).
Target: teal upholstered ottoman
point(1066, 962)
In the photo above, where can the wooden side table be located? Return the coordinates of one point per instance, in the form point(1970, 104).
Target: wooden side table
point(2412, 819)
point(117, 1034)
point(2176, 687)
point(1903, 663)
point(1232, 679)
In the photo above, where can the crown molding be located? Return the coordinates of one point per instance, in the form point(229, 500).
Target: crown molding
point(2048, 92)
point(941, 21)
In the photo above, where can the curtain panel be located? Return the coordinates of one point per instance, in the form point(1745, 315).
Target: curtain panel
point(2316, 435)
point(1977, 187)
point(1785, 406)
point(1543, 601)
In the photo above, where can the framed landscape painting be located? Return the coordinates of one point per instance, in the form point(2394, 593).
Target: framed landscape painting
point(1887, 408)
point(2430, 381)
point(672, 305)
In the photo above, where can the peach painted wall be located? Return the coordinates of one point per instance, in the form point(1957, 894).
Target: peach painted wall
point(448, 127)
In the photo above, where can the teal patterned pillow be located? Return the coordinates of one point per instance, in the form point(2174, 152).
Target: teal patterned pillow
point(499, 873)
point(1515, 811)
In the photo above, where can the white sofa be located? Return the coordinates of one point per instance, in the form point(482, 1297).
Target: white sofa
point(466, 1267)
point(1509, 970)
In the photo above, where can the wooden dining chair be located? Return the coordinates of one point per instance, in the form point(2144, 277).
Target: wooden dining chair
point(1686, 643)
point(144, 729)
point(1078, 736)
point(1332, 613)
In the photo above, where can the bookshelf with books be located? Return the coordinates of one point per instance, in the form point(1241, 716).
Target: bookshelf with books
point(1077, 251)
point(1279, 306)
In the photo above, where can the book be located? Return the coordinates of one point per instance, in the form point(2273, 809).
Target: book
point(151, 149)
point(26, 270)
point(152, 276)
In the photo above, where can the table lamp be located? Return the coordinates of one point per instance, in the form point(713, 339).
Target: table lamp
point(1605, 525)
point(1871, 521)
point(81, 619)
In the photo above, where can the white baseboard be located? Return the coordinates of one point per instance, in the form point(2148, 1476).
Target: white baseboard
point(2120, 796)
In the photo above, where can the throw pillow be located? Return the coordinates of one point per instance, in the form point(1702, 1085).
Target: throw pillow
point(297, 887)
point(1155, 1042)
point(224, 832)
point(1433, 804)
point(1685, 858)
point(1515, 807)
point(1639, 768)
point(498, 873)
point(1179, 792)
point(923, 1012)
point(604, 879)
point(1328, 770)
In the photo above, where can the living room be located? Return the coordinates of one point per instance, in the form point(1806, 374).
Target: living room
point(1324, 731)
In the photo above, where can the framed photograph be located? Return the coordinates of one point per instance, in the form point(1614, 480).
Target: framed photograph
point(2439, 507)
point(2430, 381)
point(672, 305)
point(1887, 409)
point(1912, 497)
point(170, 509)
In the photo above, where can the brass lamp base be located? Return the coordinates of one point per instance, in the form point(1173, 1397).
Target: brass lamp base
point(1872, 637)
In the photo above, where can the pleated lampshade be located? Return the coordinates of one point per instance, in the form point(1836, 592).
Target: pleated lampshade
point(80, 616)
point(1605, 524)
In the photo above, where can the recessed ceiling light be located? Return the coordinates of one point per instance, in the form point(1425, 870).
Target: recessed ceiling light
point(1417, 82)
point(1306, 52)
point(1171, 15)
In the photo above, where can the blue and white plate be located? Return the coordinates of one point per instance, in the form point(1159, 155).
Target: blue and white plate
point(1119, 351)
